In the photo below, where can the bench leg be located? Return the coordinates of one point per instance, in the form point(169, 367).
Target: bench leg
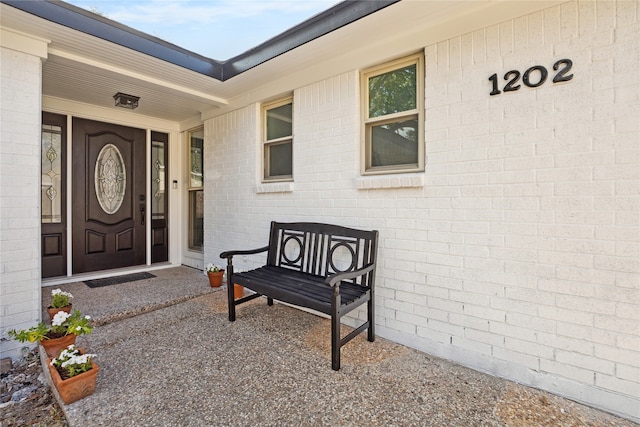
point(371, 330)
point(335, 342)
point(231, 303)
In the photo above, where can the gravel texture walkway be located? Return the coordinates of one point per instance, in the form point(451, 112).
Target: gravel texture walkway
point(168, 356)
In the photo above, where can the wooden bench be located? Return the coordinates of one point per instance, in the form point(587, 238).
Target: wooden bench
point(323, 267)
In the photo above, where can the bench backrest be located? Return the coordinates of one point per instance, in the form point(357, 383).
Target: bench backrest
point(322, 249)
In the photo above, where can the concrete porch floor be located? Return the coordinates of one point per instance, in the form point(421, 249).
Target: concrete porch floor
point(168, 356)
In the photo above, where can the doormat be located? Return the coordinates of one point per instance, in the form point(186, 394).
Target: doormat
point(98, 283)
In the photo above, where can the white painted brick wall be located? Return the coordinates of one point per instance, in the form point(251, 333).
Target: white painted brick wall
point(19, 202)
point(519, 254)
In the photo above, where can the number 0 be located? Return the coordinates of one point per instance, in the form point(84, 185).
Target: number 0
point(543, 76)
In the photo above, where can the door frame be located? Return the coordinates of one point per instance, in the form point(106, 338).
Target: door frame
point(174, 181)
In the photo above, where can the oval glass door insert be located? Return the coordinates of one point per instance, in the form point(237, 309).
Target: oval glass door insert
point(110, 179)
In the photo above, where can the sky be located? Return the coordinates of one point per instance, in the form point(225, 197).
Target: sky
point(218, 29)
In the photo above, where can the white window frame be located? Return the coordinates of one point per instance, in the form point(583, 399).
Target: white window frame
point(266, 177)
point(370, 122)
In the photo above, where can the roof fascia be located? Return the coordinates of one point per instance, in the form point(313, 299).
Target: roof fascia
point(95, 25)
point(336, 17)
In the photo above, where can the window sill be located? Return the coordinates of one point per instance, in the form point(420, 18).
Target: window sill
point(275, 187)
point(409, 180)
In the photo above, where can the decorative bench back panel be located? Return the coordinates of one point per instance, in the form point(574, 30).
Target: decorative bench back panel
point(321, 249)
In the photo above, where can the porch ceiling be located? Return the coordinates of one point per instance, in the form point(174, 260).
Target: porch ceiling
point(86, 69)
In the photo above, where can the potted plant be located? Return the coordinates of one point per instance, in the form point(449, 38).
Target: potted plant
point(61, 333)
point(215, 274)
point(60, 301)
point(73, 373)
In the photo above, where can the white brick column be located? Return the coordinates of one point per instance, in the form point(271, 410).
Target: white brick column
point(20, 114)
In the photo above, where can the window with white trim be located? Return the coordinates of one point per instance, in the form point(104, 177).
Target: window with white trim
point(393, 117)
point(196, 189)
point(277, 141)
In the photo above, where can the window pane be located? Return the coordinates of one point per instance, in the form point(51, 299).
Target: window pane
point(51, 170)
point(279, 122)
point(196, 144)
point(158, 179)
point(279, 158)
point(196, 219)
point(395, 143)
point(393, 92)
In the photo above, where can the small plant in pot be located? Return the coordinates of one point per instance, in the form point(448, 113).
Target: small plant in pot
point(73, 373)
point(215, 274)
point(71, 362)
point(61, 333)
point(60, 301)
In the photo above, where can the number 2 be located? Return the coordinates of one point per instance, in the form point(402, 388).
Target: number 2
point(511, 84)
point(560, 76)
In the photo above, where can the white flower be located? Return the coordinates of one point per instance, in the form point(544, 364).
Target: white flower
point(61, 292)
point(211, 267)
point(60, 318)
point(79, 359)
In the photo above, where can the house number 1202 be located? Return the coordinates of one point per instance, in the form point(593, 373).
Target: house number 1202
point(533, 77)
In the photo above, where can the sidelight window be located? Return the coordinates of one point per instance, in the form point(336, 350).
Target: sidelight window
point(51, 187)
point(196, 185)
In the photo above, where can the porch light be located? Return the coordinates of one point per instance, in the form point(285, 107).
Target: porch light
point(126, 101)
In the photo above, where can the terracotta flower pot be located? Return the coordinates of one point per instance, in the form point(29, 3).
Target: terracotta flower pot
point(238, 291)
point(74, 388)
point(55, 345)
point(53, 311)
point(215, 279)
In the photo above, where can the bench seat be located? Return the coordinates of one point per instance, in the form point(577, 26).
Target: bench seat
point(301, 289)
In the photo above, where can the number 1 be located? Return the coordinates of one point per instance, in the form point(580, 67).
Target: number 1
point(494, 81)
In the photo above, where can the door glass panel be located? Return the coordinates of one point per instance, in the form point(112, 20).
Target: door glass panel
point(158, 171)
point(196, 144)
point(51, 170)
point(110, 179)
point(196, 219)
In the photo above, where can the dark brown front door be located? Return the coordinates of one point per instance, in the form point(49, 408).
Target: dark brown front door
point(109, 196)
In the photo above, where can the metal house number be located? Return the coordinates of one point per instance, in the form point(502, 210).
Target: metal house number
point(534, 76)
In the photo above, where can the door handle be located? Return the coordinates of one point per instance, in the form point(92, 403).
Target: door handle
point(142, 210)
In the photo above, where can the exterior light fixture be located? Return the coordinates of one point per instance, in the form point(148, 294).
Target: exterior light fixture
point(126, 101)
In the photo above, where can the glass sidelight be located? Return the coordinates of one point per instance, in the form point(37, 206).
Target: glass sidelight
point(159, 197)
point(53, 194)
point(51, 187)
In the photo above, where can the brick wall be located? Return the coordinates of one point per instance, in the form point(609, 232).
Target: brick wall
point(19, 189)
point(516, 252)
point(540, 216)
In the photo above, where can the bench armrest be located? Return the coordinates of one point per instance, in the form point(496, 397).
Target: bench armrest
point(230, 254)
point(335, 279)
